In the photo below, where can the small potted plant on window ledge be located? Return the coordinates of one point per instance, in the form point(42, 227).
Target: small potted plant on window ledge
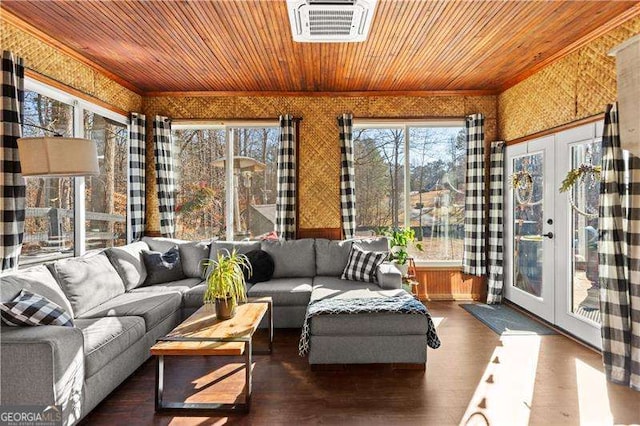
point(400, 240)
point(225, 282)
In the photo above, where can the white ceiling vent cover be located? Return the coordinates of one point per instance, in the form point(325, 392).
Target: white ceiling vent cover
point(330, 21)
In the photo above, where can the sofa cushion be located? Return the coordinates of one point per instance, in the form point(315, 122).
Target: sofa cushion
point(192, 254)
point(106, 338)
point(87, 281)
point(128, 262)
point(242, 247)
point(153, 307)
point(295, 258)
point(333, 287)
point(162, 244)
point(378, 324)
point(38, 280)
point(162, 267)
point(193, 298)
point(284, 291)
point(332, 256)
point(30, 309)
point(180, 286)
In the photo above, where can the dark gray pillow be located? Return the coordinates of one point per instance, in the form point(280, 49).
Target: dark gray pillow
point(162, 267)
point(262, 267)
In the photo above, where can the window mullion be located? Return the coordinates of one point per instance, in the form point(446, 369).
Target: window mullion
point(79, 188)
point(407, 179)
point(229, 184)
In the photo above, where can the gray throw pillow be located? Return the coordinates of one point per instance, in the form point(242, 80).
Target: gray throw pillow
point(191, 255)
point(128, 262)
point(162, 267)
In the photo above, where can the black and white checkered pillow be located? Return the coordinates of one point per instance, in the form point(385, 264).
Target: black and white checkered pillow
point(32, 309)
point(363, 265)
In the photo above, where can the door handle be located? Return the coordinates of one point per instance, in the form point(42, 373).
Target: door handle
point(548, 235)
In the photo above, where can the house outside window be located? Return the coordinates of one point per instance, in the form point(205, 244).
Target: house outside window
point(226, 200)
point(67, 216)
point(412, 174)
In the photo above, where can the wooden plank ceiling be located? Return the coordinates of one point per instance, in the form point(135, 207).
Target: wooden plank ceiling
point(247, 46)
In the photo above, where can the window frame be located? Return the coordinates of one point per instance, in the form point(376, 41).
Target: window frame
point(228, 126)
point(405, 125)
point(79, 107)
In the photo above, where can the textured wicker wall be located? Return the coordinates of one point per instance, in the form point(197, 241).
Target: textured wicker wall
point(319, 150)
point(577, 86)
point(51, 62)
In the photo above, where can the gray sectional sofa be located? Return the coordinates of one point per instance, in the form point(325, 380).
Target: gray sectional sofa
point(117, 319)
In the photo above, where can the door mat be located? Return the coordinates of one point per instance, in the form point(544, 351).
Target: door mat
point(505, 320)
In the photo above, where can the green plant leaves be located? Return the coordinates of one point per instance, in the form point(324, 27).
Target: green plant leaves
point(226, 278)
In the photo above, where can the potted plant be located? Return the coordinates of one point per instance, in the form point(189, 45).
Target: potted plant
point(225, 282)
point(400, 240)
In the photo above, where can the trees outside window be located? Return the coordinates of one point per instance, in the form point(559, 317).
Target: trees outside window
point(203, 188)
point(55, 207)
point(106, 194)
point(413, 175)
point(49, 221)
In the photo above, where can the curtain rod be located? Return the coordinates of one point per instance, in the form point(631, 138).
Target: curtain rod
point(223, 121)
point(406, 119)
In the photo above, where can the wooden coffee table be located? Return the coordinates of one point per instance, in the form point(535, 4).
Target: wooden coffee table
point(204, 334)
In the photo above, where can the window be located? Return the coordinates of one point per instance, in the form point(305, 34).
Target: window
point(228, 201)
point(412, 174)
point(55, 207)
point(106, 194)
point(49, 221)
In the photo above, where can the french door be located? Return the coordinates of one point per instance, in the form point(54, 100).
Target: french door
point(530, 235)
point(551, 236)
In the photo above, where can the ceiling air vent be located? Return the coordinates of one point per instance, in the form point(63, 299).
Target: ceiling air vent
point(330, 21)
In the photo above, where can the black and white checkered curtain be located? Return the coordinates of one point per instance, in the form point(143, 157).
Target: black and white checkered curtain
point(619, 258)
point(286, 200)
point(165, 179)
point(12, 187)
point(347, 176)
point(137, 164)
point(473, 256)
point(496, 213)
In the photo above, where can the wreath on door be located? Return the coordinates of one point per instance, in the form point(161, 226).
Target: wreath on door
point(585, 174)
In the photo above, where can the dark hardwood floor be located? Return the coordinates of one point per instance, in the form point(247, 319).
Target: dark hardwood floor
point(475, 378)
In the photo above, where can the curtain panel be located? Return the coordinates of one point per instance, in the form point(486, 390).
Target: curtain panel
point(137, 165)
point(619, 258)
point(473, 256)
point(286, 191)
point(347, 176)
point(12, 187)
point(165, 179)
point(496, 223)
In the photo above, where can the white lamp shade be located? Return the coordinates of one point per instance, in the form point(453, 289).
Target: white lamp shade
point(54, 156)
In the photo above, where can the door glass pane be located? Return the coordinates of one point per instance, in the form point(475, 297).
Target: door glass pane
point(584, 231)
point(255, 172)
point(528, 214)
point(379, 166)
point(200, 183)
point(106, 194)
point(48, 232)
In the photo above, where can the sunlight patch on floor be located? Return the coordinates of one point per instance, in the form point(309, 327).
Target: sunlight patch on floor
point(505, 392)
point(437, 321)
point(593, 398)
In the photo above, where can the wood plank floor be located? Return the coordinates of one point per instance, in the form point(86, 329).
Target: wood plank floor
point(475, 378)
